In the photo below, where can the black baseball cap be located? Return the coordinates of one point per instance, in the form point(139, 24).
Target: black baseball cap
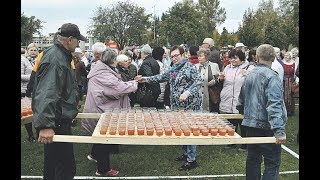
point(70, 29)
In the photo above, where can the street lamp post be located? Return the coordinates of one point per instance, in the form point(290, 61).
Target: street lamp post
point(157, 39)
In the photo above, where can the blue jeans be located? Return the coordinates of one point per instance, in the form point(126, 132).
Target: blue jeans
point(190, 151)
point(271, 154)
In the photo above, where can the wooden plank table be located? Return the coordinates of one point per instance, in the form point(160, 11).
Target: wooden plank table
point(155, 140)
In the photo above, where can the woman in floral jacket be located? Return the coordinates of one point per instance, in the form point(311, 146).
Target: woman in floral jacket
point(185, 82)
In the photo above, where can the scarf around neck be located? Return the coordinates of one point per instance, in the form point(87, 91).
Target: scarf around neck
point(176, 67)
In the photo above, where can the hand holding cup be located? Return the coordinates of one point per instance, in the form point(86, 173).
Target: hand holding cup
point(221, 75)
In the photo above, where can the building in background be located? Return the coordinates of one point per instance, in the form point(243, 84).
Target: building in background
point(45, 41)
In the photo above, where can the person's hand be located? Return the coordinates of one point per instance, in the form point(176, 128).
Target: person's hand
point(221, 75)
point(183, 96)
point(46, 136)
point(280, 140)
point(244, 72)
point(140, 79)
point(211, 83)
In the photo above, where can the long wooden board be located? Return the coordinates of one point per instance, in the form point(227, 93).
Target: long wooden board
point(155, 140)
point(146, 140)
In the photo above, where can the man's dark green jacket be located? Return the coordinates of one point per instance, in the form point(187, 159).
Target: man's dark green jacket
point(55, 94)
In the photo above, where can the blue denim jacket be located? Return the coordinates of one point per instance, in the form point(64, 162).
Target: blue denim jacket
point(262, 97)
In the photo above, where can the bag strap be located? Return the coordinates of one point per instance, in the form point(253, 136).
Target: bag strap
point(246, 68)
point(210, 76)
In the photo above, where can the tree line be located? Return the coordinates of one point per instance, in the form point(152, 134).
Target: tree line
point(187, 22)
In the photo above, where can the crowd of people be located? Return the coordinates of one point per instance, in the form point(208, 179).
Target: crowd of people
point(254, 82)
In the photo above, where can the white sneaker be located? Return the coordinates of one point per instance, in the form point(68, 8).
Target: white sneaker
point(90, 157)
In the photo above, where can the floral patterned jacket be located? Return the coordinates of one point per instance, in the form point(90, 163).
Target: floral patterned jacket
point(182, 77)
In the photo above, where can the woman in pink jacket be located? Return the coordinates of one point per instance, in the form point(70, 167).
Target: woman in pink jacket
point(232, 78)
point(105, 90)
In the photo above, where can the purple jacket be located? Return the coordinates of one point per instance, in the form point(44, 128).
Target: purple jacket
point(105, 90)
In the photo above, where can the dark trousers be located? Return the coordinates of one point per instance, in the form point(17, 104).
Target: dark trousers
point(101, 153)
point(150, 103)
point(160, 105)
point(237, 123)
point(80, 90)
point(28, 127)
point(59, 161)
point(271, 154)
point(214, 107)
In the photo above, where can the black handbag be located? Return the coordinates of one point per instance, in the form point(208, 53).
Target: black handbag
point(144, 96)
point(215, 90)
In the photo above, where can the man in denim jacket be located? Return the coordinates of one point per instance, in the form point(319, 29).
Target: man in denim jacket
point(265, 115)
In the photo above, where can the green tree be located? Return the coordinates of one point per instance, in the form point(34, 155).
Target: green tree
point(251, 32)
point(227, 38)
point(274, 33)
point(29, 26)
point(216, 37)
point(124, 23)
point(182, 24)
point(213, 15)
point(232, 39)
point(289, 8)
point(289, 13)
point(267, 25)
point(224, 37)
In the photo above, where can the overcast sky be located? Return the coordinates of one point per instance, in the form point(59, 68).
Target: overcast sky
point(57, 12)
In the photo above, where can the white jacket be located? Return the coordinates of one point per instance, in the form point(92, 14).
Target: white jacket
point(26, 69)
point(233, 80)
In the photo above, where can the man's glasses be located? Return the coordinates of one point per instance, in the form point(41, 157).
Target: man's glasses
point(174, 56)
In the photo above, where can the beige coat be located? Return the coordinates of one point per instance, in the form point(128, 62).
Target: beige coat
point(204, 88)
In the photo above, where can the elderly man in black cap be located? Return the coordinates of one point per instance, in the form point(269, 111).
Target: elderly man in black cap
point(54, 102)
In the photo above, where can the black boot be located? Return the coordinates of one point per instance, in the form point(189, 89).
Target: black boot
point(181, 158)
point(188, 165)
point(28, 127)
point(31, 139)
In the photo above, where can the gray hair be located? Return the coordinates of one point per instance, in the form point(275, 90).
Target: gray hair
point(295, 50)
point(205, 51)
point(276, 49)
point(146, 49)
point(60, 38)
point(98, 47)
point(266, 52)
point(108, 56)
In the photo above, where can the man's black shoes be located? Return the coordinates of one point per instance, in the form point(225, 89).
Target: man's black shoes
point(188, 165)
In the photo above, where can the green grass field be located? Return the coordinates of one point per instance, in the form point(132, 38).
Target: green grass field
point(143, 160)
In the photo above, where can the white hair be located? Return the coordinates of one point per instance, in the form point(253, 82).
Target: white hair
point(122, 58)
point(295, 50)
point(98, 47)
point(146, 49)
